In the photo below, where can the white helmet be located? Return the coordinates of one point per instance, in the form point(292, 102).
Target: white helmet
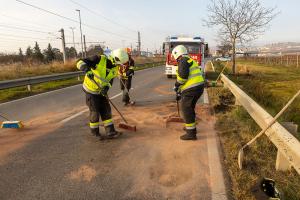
point(179, 51)
point(120, 56)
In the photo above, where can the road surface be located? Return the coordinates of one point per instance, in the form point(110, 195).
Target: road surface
point(55, 157)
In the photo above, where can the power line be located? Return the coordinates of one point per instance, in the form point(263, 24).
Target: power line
point(24, 29)
point(100, 15)
point(70, 19)
point(26, 21)
point(21, 36)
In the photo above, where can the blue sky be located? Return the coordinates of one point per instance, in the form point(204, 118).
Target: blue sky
point(155, 19)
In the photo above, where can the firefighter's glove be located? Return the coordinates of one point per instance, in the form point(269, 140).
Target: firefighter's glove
point(90, 75)
point(176, 89)
point(104, 91)
point(130, 72)
point(178, 96)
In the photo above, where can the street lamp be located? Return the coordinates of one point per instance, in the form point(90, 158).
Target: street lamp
point(80, 32)
point(72, 28)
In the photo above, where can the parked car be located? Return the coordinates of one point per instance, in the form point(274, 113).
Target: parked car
point(223, 59)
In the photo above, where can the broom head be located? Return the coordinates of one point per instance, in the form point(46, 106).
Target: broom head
point(12, 124)
point(127, 127)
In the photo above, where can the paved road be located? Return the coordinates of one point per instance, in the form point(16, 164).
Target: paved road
point(62, 161)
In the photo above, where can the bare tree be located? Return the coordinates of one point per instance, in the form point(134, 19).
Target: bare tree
point(239, 21)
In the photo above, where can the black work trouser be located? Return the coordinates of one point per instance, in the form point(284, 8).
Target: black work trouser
point(127, 84)
point(189, 100)
point(98, 106)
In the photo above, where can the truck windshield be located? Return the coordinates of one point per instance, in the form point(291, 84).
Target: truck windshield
point(193, 48)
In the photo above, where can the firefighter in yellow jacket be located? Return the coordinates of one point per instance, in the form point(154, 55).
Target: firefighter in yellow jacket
point(100, 72)
point(126, 73)
point(189, 87)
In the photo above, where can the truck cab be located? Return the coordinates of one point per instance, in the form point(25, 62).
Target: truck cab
point(196, 50)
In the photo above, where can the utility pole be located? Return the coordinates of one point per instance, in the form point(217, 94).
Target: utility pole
point(84, 43)
point(63, 43)
point(80, 31)
point(72, 28)
point(139, 44)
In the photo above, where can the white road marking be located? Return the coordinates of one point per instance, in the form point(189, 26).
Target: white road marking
point(205, 97)
point(36, 95)
point(218, 189)
point(85, 110)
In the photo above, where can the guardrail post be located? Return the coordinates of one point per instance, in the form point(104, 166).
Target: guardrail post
point(282, 164)
point(29, 88)
point(237, 103)
point(78, 77)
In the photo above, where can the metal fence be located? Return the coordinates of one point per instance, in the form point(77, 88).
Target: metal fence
point(283, 60)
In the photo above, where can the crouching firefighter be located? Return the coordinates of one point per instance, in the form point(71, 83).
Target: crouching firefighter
point(126, 72)
point(189, 87)
point(100, 72)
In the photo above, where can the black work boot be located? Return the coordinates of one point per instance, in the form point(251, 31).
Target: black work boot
point(190, 135)
point(96, 132)
point(111, 133)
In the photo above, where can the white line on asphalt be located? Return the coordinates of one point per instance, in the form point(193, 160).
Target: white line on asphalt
point(205, 97)
point(36, 95)
point(218, 189)
point(57, 90)
point(85, 110)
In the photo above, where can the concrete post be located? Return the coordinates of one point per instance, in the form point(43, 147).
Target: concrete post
point(29, 88)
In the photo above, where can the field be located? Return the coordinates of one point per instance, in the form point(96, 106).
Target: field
point(20, 70)
point(271, 87)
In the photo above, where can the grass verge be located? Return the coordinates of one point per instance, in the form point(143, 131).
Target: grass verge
point(270, 87)
point(20, 92)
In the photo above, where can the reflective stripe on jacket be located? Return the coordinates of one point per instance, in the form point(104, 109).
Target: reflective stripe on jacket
point(195, 76)
point(100, 77)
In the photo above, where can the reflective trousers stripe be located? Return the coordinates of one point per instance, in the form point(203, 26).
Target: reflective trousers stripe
point(108, 122)
point(190, 126)
point(94, 124)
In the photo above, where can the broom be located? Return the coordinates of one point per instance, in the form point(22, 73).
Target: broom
point(121, 125)
point(241, 151)
point(175, 118)
point(11, 124)
point(132, 102)
point(214, 83)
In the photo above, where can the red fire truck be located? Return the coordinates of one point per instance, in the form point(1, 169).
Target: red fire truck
point(195, 46)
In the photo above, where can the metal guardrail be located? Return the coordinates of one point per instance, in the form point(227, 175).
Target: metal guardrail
point(288, 146)
point(37, 79)
point(46, 78)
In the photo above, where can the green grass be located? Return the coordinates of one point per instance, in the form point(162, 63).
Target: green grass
point(19, 92)
point(235, 127)
point(271, 87)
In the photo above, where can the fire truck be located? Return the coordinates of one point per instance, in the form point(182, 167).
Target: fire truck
point(197, 49)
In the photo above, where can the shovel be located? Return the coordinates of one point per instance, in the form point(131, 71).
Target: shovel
point(241, 151)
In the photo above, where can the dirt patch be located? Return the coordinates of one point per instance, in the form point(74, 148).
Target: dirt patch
point(161, 161)
point(84, 173)
point(164, 89)
point(14, 139)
